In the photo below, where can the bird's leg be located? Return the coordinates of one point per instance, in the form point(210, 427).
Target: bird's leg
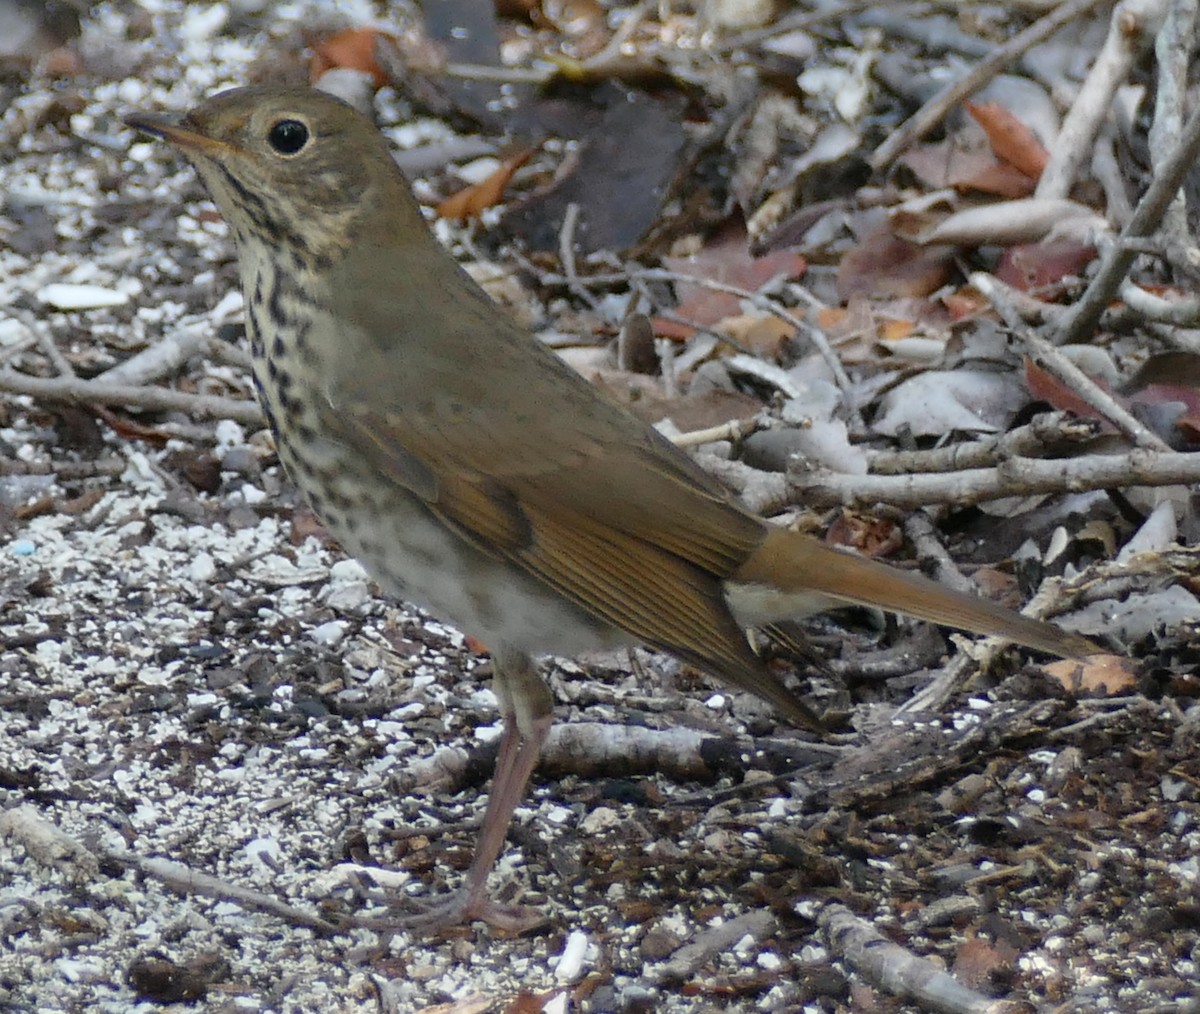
point(527, 707)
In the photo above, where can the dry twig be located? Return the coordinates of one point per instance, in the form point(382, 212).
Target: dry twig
point(932, 113)
point(891, 968)
point(73, 391)
point(1080, 320)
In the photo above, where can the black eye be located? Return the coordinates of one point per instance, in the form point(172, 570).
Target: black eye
point(288, 136)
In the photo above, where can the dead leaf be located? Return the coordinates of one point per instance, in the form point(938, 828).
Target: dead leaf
point(1044, 386)
point(724, 258)
point(982, 965)
point(473, 201)
point(764, 335)
point(1095, 676)
point(353, 49)
point(972, 168)
point(1010, 139)
point(869, 534)
point(1040, 268)
point(884, 266)
point(531, 1003)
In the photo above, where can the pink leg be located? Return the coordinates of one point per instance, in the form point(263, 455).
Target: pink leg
point(527, 707)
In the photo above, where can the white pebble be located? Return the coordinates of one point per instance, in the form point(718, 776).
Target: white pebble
point(202, 23)
point(62, 296)
point(202, 568)
point(570, 963)
point(347, 571)
point(602, 818)
point(329, 633)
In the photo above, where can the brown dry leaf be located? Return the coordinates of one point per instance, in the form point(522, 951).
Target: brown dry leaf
point(981, 964)
point(998, 179)
point(883, 266)
point(1042, 267)
point(1043, 386)
point(353, 49)
point(1171, 378)
point(1010, 139)
point(473, 201)
point(764, 335)
point(872, 536)
point(726, 259)
point(947, 164)
point(998, 586)
point(1095, 676)
point(965, 303)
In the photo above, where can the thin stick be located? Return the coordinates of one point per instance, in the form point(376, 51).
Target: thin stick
point(155, 399)
point(44, 339)
point(1128, 26)
point(187, 881)
point(1054, 361)
point(1080, 321)
point(772, 492)
point(932, 113)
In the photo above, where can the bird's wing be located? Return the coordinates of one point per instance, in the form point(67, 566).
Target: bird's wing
point(625, 532)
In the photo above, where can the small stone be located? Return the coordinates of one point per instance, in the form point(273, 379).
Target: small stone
point(62, 296)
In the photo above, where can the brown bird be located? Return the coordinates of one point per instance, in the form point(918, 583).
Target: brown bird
point(471, 470)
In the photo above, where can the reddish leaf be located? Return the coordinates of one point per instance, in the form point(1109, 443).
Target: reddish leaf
point(1096, 676)
point(725, 258)
point(1039, 267)
point(353, 49)
point(472, 201)
point(1045, 387)
point(965, 302)
point(982, 965)
point(1010, 139)
point(883, 266)
point(949, 164)
point(870, 535)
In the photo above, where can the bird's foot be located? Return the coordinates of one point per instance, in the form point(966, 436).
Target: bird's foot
point(460, 908)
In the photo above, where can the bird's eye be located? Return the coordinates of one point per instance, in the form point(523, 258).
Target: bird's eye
point(288, 136)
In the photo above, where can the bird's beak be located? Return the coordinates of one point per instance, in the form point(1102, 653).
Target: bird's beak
point(175, 132)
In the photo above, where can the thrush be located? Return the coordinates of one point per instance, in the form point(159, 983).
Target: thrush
point(477, 475)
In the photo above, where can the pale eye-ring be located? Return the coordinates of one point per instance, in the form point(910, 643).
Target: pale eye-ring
point(287, 137)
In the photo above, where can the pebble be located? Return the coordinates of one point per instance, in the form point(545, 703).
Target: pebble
point(62, 296)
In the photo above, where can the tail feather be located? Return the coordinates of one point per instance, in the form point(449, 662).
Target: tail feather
point(791, 574)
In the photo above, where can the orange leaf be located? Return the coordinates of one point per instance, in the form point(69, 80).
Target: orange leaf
point(353, 49)
point(476, 646)
point(831, 316)
point(473, 201)
point(1045, 387)
point(1010, 139)
point(895, 330)
point(965, 302)
point(1096, 676)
